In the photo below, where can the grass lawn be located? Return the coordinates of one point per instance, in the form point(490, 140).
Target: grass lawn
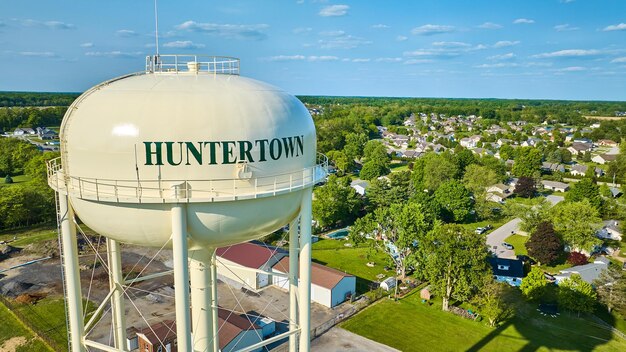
point(395, 167)
point(29, 235)
point(519, 243)
point(16, 180)
point(352, 260)
point(409, 325)
point(11, 327)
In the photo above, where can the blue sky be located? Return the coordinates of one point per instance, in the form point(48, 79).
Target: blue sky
point(553, 49)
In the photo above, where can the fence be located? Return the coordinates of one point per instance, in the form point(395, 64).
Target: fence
point(15, 309)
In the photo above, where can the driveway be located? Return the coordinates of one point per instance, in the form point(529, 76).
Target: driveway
point(495, 238)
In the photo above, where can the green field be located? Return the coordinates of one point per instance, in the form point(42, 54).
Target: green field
point(11, 327)
point(29, 235)
point(16, 180)
point(519, 243)
point(352, 260)
point(409, 325)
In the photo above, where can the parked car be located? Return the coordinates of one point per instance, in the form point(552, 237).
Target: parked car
point(526, 259)
point(481, 230)
point(507, 246)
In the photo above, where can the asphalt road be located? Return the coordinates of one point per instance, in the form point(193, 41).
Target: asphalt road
point(495, 238)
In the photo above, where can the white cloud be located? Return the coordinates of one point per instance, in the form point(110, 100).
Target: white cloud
point(507, 56)
point(432, 53)
point(334, 10)
point(430, 29)
point(565, 28)
point(322, 58)
point(341, 40)
point(311, 58)
point(115, 54)
point(452, 44)
point(302, 30)
point(388, 59)
point(498, 65)
point(615, 27)
point(619, 60)
point(401, 38)
point(183, 44)
point(47, 54)
point(380, 26)
point(126, 33)
point(332, 33)
point(568, 53)
point(87, 45)
point(286, 58)
point(47, 24)
point(490, 25)
point(572, 69)
point(505, 43)
point(236, 31)
point(417, 61)
point(523, 21)
point(361, 60)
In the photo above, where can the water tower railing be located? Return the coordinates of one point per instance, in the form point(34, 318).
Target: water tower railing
point(159, 191)
point(192, 63)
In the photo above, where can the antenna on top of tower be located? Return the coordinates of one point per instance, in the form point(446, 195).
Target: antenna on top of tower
point(156, 26)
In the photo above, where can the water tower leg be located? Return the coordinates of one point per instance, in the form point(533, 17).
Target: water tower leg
point(202, 300)
point(116, 280)
point(72, 275)
point(181, 277)
point(215, 323)
point(293, 283)
point(305, 272)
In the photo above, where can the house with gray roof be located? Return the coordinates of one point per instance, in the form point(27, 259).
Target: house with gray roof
point(555, 185)
point(588, 272)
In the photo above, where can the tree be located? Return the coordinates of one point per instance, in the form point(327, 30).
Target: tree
point(372, 169)
point(507, 152)
point(544, 245)
point(394, 230)
point(611, 289)
point(534, 285)
point(339, 159)
point(436, 169)
point(576, 295)
point(586, 188)
point(531, 216)
point(379, 194)
point(8, 179)
point(525, 187)
point(355, 143)
point(455, 200)
point(477, 178)
point(491, 301)
point(528, 162)
point(454, 261)
point(576, 222)
point(577, 258)
point(335, 202)
point(463, 159)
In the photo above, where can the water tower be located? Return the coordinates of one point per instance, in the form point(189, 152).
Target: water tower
point(191, 156)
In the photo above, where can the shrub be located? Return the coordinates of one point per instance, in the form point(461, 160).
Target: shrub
point(577, 258)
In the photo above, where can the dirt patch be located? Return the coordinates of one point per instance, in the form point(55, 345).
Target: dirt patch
point(31, 298)
point(12, 344)
point(605, 118)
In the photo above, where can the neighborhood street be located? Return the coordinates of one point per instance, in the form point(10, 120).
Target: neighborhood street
point(497, 236)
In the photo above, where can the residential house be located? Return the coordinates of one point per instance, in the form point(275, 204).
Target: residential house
point(507, 270)
point(503, 141)
point(239, 264)
point(46, 133)
point(555, 185)
point(607, 143)
point(588, 272)
point(329, 287)
point(615, 192)
point(577, 147)
point(23, 131)
point(552, 167)
point(532, 142)
point(604, 158)
point(470, 142)
point(611, 231)
point(359, 186)
point(498, 193)
point(581, 170)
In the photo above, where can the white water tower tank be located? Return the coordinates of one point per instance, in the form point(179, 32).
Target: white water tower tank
point(238, 152)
